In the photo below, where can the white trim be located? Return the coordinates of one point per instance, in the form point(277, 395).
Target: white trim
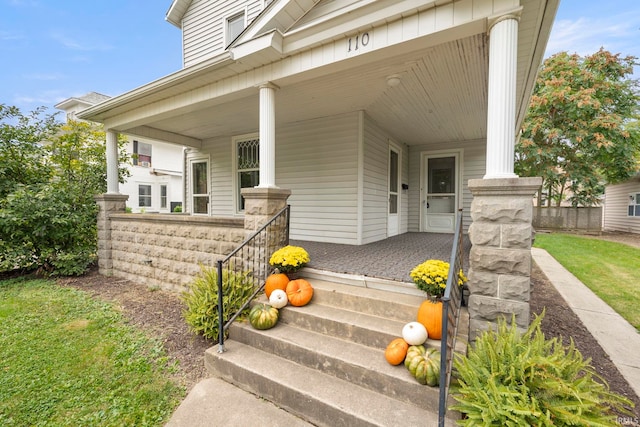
point(237, 12)
point(360, 178)
point(396, 148)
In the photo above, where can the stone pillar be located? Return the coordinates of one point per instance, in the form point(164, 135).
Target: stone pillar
point(501, 107)
point(500, 258)
point(261, 204)
point(112, 162)
point(108, 204)
point(268, 136)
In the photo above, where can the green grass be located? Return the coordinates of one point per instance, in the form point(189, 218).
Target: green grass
point(69, 360)
point(611, 270)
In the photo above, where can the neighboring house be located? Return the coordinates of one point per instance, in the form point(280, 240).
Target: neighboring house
point(373, 113)
point(622, 206)
point(156, 183)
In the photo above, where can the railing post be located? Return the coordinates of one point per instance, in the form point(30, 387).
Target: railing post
point(220, 310)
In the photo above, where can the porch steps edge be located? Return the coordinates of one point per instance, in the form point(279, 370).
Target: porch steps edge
point(312, 395)
point(362, 281)
point(359, 364)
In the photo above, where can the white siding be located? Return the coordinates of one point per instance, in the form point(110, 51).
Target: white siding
point(616, 207)
point(375, 183)
point(473, 166)
point(203, 26)
point(317, 159)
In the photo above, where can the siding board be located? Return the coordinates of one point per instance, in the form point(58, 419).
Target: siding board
point(616, 207)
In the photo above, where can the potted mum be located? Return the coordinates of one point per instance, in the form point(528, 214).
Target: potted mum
point(431, 277)
point(289, 259)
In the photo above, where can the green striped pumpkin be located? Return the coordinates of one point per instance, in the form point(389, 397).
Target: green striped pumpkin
point(424, 364)
point(263, 316)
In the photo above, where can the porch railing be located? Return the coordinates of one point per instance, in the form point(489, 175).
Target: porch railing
point(451, 307)
point(251, 257)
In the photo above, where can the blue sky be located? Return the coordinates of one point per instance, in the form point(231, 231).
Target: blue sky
point(54, 49)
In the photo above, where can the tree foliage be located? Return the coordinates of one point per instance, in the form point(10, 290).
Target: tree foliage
point(580, 131)
point(47, 214)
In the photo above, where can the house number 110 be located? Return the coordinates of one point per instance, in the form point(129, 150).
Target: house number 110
point(354, 43)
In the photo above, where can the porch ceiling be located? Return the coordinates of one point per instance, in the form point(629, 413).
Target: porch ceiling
point(441, 96)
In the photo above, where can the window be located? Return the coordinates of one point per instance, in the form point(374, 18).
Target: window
point(200, 186)
point(247, 166)
point(634, 205)
point(235, 26)
point(141, 154)
point(163, 196)
point(144, 196)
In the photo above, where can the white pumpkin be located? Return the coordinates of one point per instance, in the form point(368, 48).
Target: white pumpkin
point(414, 333)
point(278, 298)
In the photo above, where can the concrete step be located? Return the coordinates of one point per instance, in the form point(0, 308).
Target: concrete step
point(315, 396)
point(358, 364)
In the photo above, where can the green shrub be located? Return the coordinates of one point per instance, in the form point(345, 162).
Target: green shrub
point(201, 299)
point(509, 379)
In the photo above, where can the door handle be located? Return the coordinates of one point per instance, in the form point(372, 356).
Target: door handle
point(427, 205)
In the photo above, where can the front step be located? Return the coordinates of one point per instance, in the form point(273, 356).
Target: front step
point(325, 362)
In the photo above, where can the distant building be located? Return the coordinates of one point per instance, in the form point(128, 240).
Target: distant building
point(622, 206)
point(155, 184)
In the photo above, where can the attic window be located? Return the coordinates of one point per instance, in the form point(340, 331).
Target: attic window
point(235, 26)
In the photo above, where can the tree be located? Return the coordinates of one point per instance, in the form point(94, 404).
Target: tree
point(49, 222)
point(580, 131)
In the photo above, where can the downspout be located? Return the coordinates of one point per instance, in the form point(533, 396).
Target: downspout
point(184, 179)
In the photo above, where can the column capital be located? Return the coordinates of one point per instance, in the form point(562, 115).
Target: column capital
point(492, 21)
point(268, 85)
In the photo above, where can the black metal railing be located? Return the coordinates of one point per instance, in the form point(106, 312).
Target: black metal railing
point(251, 258)
point(451, 307)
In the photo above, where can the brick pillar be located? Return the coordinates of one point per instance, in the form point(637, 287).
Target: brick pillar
point(500, 258)
point(108, 204)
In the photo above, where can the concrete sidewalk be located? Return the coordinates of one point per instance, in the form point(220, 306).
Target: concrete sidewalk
point(616, 336)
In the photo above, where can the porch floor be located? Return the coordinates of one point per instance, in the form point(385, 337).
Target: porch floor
point(391, 258)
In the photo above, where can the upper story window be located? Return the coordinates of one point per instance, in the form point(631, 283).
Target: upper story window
point(141, 154)
point(634, 205)
point(235, 26)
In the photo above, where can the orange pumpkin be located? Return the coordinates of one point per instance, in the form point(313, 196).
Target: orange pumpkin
point(299, 292)
point(396, 351)
point(275, 281)
point(430, 315)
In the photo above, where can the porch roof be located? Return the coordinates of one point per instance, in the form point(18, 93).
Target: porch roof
point(441, 95)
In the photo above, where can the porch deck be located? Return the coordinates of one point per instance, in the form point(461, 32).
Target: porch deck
point(391, 259)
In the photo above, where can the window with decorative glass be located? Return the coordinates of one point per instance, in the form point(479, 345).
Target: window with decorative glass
point(634, 205)
point(247, 166)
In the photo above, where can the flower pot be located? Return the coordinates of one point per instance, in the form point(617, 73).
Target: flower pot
point(430, 315)
point(293, 275)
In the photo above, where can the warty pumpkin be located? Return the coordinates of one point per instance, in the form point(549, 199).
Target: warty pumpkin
point(275, 281)
point(430, 315)
point(299, 292)
point(396, 351)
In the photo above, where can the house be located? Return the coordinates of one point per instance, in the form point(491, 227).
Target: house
point(155, 183)
point(622, 206)
point(370, 118)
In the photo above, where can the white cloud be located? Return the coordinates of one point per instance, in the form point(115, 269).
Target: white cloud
point(9, 36)
point(79, 42)
point(44, 76)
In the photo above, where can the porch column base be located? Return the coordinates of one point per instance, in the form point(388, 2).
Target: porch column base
point(261, 204)
point(500, 258)
point(108, 204)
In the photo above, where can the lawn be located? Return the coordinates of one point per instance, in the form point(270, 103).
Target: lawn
point(609, 269)
point(69, 360)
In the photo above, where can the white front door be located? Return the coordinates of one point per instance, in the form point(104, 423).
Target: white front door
point(439, 192)
point(393, 221)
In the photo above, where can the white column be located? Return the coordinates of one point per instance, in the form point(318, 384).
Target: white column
point(268, 136)
point(112, 162)
point(501, 111)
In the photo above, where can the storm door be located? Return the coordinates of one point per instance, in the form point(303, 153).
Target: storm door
point(439, 192)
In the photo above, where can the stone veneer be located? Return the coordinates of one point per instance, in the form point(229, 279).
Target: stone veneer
point(168, 250)
point(500, 258)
